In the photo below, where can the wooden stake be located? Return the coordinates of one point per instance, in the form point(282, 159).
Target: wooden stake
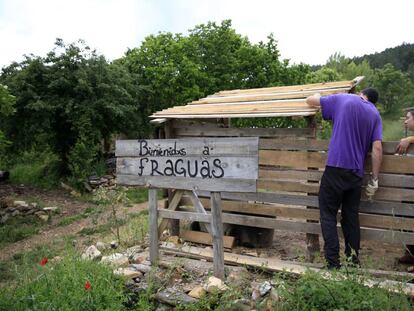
point(153, 225)
point(217, 235)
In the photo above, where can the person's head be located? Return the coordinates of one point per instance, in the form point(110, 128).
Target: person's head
point(409, 120)
point(370, 94)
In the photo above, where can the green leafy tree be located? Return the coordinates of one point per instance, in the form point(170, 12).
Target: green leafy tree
point(6, 109)
point(71, 101)
point(395, 88)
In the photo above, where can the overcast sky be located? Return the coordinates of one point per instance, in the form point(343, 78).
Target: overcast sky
point(307, 31)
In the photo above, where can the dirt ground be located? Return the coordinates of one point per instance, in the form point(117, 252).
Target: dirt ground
point(286, 245)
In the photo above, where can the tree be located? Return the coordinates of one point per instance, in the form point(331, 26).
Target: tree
point(6, 109)
point(395, 88)
point(70, 101)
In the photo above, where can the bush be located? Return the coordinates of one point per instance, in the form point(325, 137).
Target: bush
point(65, 286)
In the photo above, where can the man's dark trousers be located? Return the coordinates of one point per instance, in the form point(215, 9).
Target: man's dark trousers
point(339, 187)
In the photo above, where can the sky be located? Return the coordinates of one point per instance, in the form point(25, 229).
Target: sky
point(307, 31)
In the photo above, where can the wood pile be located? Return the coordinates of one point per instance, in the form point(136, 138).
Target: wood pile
point(263, 102)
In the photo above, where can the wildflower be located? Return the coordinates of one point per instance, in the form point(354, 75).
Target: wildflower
point(43, 261)
point(88, 285)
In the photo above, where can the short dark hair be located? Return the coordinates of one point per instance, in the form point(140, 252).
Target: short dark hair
point(371, 94)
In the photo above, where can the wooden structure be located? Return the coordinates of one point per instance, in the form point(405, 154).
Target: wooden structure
point(291, 163)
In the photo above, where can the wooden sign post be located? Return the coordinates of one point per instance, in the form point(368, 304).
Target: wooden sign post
point(189, 165)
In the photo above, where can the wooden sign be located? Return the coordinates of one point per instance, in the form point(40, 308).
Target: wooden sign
point(214, 164)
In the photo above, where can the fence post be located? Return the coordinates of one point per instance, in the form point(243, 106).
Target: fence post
point(153, 225)
point(217, 234)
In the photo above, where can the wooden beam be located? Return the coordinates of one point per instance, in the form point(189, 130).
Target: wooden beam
point(205, 238)
point(153, 224)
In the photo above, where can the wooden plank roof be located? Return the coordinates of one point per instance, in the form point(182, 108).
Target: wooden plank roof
point(262, 102)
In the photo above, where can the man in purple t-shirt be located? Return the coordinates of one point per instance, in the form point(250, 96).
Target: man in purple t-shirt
point(357, 127)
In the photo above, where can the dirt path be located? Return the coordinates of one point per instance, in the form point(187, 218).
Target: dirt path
point(68, 206)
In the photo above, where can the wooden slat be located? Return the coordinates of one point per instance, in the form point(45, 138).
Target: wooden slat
point(375, 207)
point(366, 220)
point(383, 193)
point(386, 180)
point(388, 147)
point(193, 147)
point(274, 264)
point(298, 159)
point(387, 236)
point(233, 115)
point(198, 206)
point(312, 86)
point(172, 206)
point(267, 96)
point(233, 185)
point(205, 238)
point(244, 132)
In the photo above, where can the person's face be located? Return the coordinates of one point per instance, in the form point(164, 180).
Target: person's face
point(409, 121)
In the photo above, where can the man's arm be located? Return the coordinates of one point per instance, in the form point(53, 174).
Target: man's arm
point(404, 144)
point(314, 100)
point(376, 156)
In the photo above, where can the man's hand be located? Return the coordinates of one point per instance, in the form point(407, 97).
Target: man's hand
point(403, 146)
point(372, 187)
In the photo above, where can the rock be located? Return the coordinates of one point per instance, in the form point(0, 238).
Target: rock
point(43, 217)
point(174, 297)
point(241, 305)
point(174, 239)
point(274, 295)
point(137, 259)
point(75, 194)
point(101, 246)
point(197, 292)
point(131, 274)
point(87, 187)
point(264, 288)
point(214, 283)
point(117, 259)
point(130, 252)
point(15, 213)
point(34, 204)
point(50, 209)
point(255, 294)
point(410, 269)
point(167, 245)
point(4, 219)
point(114, 244)
point(140, 267)
point(20, 204)
point(92, 253)
point(56, 259)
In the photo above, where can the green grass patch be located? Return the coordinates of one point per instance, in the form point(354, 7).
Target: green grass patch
point(103, 228)
point(63, 286)
point(40, 169)
point(89, 211)
point(343, 291)
point(137, 195)
point(18, 228)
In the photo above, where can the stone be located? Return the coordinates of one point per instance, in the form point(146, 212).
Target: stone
point(101, 246)
point(167, 245)
point(410, 269)
point(50, 209)
point(264, 288)
point(174, 239)
point(137, 259)
point(20, 204)
point(43, 217)
point(214, 283)
point(92, 253)
point(15, 213)
point(197, 292)
point(114, 244)
point(140, 267)
point(117, 259)
point(130, 252)
point(274, 295)
point(131, 274)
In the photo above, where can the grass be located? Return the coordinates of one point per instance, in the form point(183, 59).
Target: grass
point(89, 211)
point(18, 228)
point(61, 286)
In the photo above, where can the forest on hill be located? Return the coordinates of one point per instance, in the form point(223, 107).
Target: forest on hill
point(57, 109)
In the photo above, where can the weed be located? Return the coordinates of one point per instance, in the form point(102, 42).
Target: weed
point(18, 228)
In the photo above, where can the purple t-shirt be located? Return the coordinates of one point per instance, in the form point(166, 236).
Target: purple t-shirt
point(356, 125)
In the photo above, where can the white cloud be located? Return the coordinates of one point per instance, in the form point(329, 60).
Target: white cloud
point(307, 31)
